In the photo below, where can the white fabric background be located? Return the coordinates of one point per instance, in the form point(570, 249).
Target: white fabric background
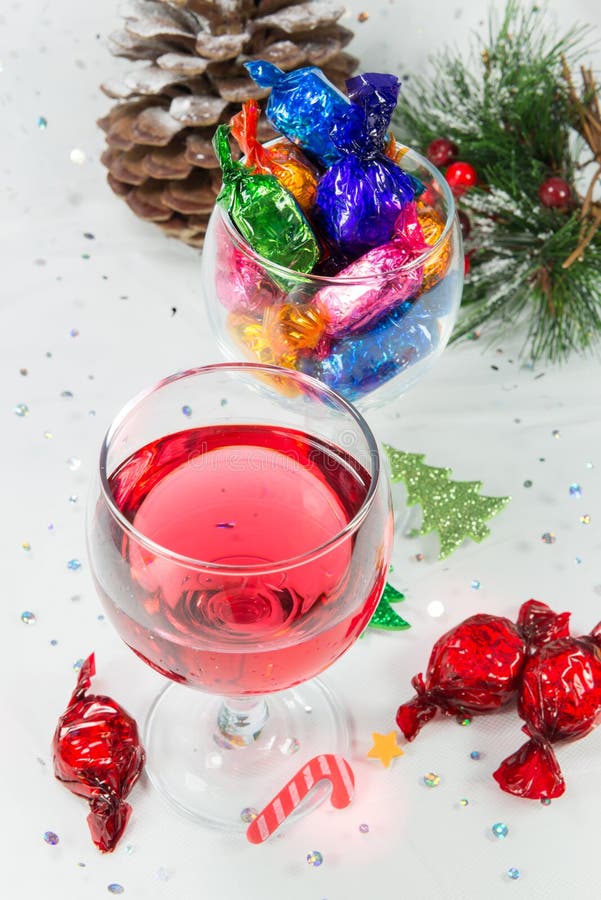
point(487, 423)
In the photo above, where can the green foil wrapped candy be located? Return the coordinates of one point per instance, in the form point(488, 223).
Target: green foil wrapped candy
point(264, 212)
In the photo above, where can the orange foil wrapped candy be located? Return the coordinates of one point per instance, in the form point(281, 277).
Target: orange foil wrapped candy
point(432, 226)
point(253, 337)
point(290, 328)
point(283, 158)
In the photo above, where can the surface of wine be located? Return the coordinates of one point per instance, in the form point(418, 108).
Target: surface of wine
point(238, 601)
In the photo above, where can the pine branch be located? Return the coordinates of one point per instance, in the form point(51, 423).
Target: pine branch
point(513, 111)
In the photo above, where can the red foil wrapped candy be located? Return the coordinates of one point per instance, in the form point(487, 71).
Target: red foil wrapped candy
point(476, 666)
point(559, 700)
point(98, 755)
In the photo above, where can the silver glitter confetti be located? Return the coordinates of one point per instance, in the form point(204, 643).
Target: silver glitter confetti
point(575, 490)
point(74, 463)
point(21, 410)
point(115, 888)
point(77, 156)
point(51, 838)
point(548, 537)
point(42, 123)
point(187, 411)
point(314, 858)
point(585, 519)
point(475, 585)
point(249, 814)
point(431, 779)
point(27, 617)
point(74, 565)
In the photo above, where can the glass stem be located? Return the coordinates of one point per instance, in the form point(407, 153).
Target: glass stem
point(240, 721)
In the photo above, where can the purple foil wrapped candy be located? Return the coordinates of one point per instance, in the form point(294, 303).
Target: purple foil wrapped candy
point(382, 282)
point(301, 106)
point(360, 197)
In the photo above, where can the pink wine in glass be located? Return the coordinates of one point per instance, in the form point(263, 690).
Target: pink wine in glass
point(262, 499)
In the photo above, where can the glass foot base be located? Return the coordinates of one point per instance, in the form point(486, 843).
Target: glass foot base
point(217, 785)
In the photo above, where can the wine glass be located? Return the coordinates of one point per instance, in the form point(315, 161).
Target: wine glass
point(239, 537)
point(265, 312)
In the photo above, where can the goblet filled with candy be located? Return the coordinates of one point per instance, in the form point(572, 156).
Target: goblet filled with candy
point(239, 537)
point(333, 250)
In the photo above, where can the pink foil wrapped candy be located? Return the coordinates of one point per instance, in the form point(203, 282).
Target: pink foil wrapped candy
point(382, 282)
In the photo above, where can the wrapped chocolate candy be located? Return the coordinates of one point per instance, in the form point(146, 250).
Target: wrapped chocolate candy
point(264, 212)
point(252, 335)
point(359, 363)
point(98, 756)
point(559, 700)
point(241, 283)
point(378, 281)
point(282, 158)
point(361, 195)
point(476, 666)
point(301, 106)
point(432, 227)
point(292, 327)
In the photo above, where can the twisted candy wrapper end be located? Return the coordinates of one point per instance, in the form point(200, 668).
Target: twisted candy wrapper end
point(531, 772)
point(264, 73)
point(413, 715)
point(363, 128)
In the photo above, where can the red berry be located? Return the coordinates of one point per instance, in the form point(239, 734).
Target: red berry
point(466, 264)
point(441, 151)
point(461, 176)
point(555, 193)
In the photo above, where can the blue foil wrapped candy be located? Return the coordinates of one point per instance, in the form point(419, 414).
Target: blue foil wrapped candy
point(302, 105)
point(360, 363)
point(361, 195)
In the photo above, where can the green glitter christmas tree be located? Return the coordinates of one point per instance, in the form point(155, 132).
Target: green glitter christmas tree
point(385, 617)
point(454, 509)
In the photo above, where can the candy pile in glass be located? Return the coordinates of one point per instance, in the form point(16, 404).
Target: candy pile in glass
point(333, 250)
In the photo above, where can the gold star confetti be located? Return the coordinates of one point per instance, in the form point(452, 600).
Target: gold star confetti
point(385, 747)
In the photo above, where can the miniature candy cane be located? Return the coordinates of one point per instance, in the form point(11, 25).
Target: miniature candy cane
point(328, 766)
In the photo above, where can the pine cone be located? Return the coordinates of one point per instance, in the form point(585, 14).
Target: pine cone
point(159, 154)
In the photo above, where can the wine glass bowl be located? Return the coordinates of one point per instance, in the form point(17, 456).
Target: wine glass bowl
point(274, 315)
point(239, 539)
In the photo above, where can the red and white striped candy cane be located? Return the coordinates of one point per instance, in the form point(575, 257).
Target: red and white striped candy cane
point(327, 766)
